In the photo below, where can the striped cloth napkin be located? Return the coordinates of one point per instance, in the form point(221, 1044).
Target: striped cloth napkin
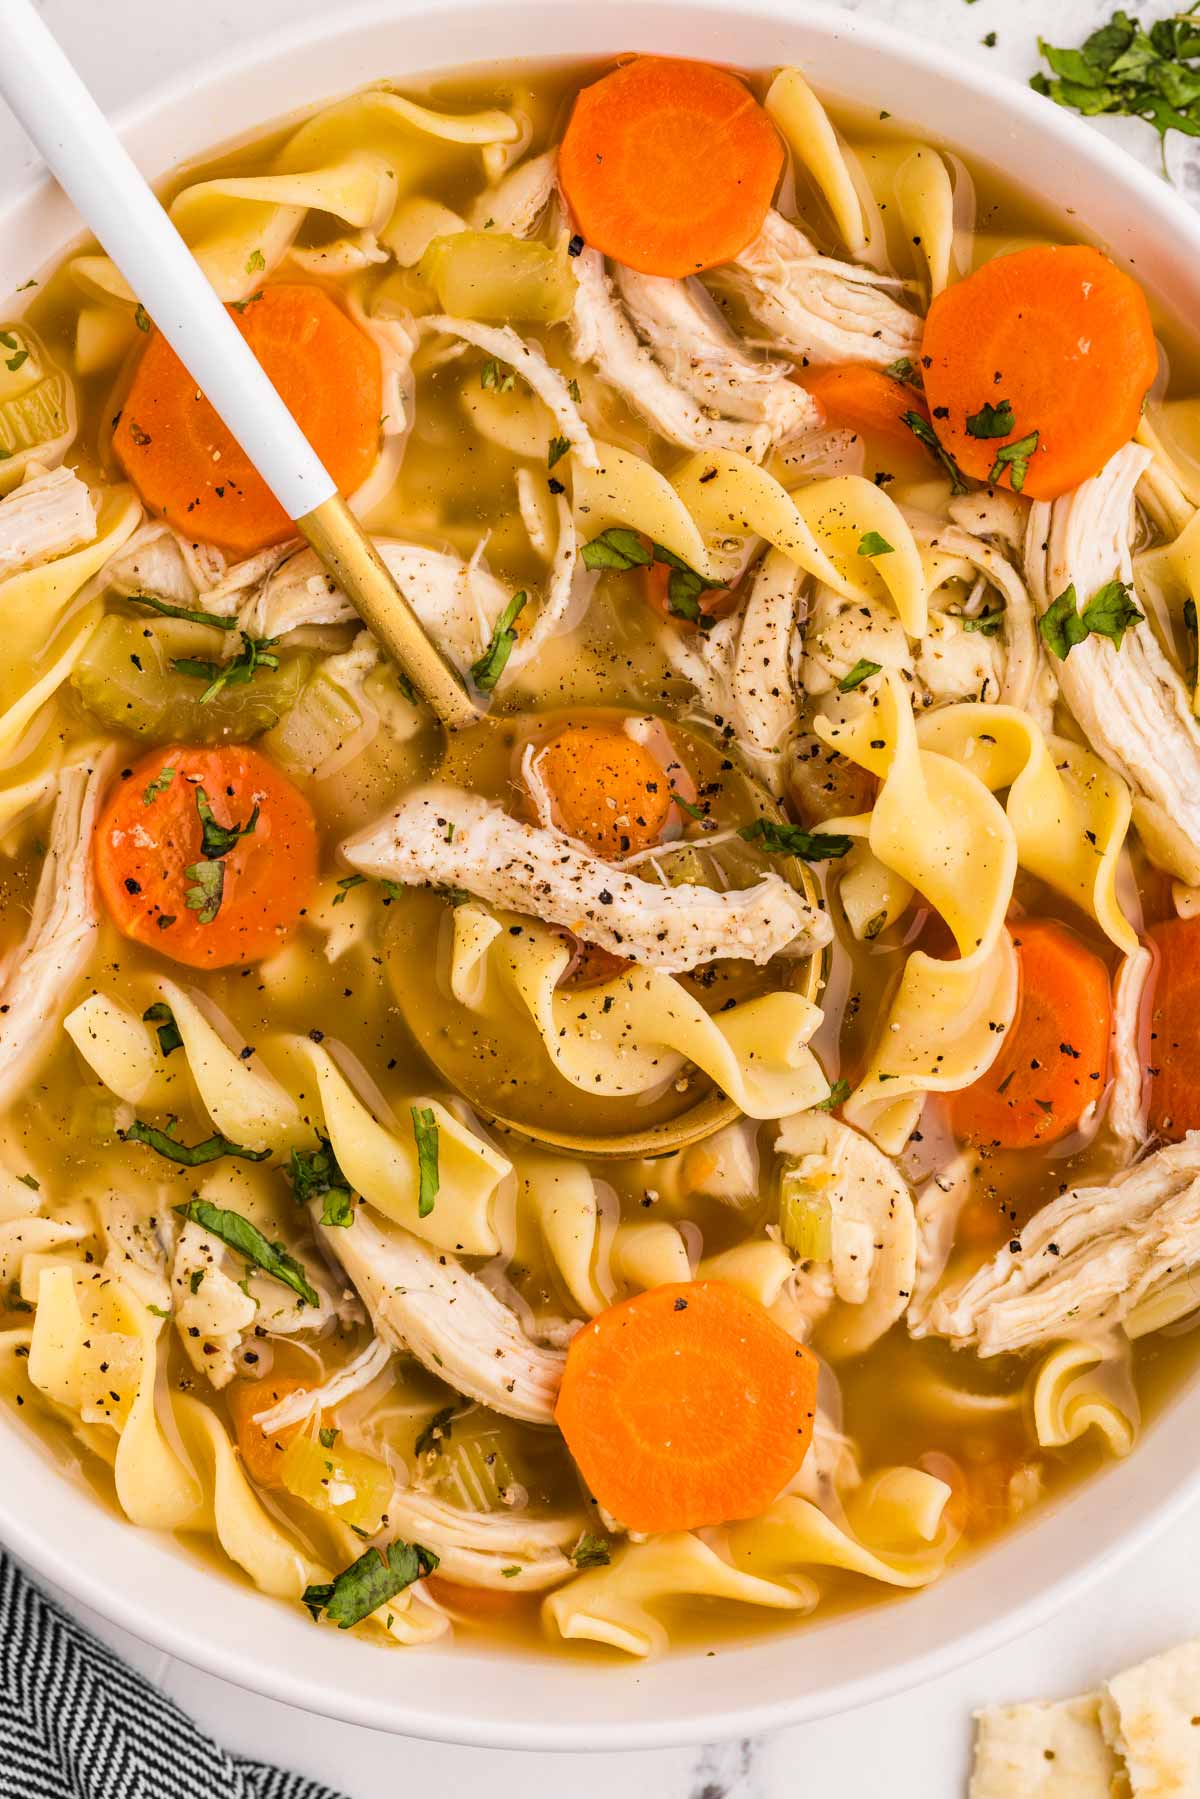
point(76, 1723)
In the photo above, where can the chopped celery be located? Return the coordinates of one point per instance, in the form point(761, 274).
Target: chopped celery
point(37, 405)
point(322, 722)
point(490, 276)
point(352, 1486)
point(473, 1473)
point(125, 680)
point(805, 1217)
point(686, 867)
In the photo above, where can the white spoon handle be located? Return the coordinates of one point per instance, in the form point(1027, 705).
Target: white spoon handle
point(95, 169)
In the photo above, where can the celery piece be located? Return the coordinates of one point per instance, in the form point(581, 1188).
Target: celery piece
point(349, 1485)
point(37, 406)
point(472, 1473)
point(125, 680)
point(686, 867)
point(805, 1218)
point(491, 276)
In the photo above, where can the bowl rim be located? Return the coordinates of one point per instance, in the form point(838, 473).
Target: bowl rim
point(598, 1707)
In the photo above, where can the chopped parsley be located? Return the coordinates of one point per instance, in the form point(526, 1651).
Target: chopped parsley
point(439, 1430)
point(188, 1155)
point(169, 1037)
point(1015, 458)
point(590, 1552)
point(839, 1093)
point(345, 885)
point(141, 317)
point(991, 421)
point(1109, 613)
point(218, 620)
point(255, 654)
point(497, 379)
point(158, 785)
point(425, 1131)
point(317, 1175)
point(557, 450)
point(988, 624)
point(491, 665)
point(616, 548)
point(904, 369)
point(368, 1583)
point(14, 361)
point(208, 874)
point(619, 548)
point(790, 840)
point(246, 1240)
point(207, 891)
point(255, 262)
point(1152, 75)
point(872, 544)
point(573, 390)
point(862, 671)
point(924, 433)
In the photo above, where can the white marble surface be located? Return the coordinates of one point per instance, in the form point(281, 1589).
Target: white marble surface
point(914, 1747)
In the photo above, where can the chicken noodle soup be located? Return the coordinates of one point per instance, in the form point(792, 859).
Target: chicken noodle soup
point(821, 541)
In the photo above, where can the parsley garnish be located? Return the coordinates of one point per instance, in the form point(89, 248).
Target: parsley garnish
point(1109, 613)
point(14, 362)
point(790, 840)
point(573, 390)
point(188, 1155)
point(491, 665)
point(238, 1234)
point(862, 671)
point(241, 305)
point(193, 614)
point(988, 624)
point(344, 886)
point(141, 317)
point(1015, 458)
point(370, 1582)
point(159, 784)
point(254, 654)
point(991, 421)
point(839, 1093)
point(208, 875)
point(872, 544)
point(619, 548)
point(217, 839)
point(590, 1552)
point(616, 548)
point(924, 432)
point(169, 1038)
point(255, 261)
point(557, 450)
point(1121, 68)
point(439, 1430)
point(207, 891)
point(491, 375)
point(425, 1131)
point(327, 1436)
point(904, 369)
point(318, 1176)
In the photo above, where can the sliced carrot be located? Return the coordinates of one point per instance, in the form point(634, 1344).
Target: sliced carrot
point(593, 967)
point(607, 789)
point(865, 400)
point(1062, 336)
point(686, 1406)
point(185, 463)
point(1054, 1061)
point(1175, 1029)
point(261, 1452)
point(484, 1603)
point(159, 879)
point(669, 166)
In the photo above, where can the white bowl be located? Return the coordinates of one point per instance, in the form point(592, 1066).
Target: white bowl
point(467, 1693)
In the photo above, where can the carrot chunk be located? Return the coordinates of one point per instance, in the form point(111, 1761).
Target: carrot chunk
point(607, 789)
point(209, 855)
point(1054, 1062)
point(1175, 1029)
point(185, 463)
point(1054, 340)
point(865, 400)
point(669, 166)
point(261, 1453)
point(686, 1406)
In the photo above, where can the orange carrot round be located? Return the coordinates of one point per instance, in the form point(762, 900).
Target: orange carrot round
point(1061, 337)
point(482, 1603)
point(865, 400)
point(186, 465)
point(1175, 1029)
point(1054, 1061)
point(669, 166)
point(172, 885)
point(261, 1452)
point(607, 789)
point(686, 1406)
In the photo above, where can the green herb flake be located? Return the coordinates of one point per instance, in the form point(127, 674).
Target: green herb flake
point(317, 1175)
point(255, 262)
point(31, 1181)
point(1015, 458)
point(158, 785)
point(491, 665)
point(327, 1436)
point(246, 1240)
point(14, 362)
point(991, 421)
point(188, 1155)
point(439, 1430)
point(425, 1131)
point(368, 1583)
point(345, 885)
point(496, 378)
point(207, 890)
point(924, 433)
point(988, 624)
point(1109, 613)
point(573, 390)
point(590, 1552)
point(904, 370)
point(872, 544)
point(255, 654)
point(510, 1573)
point(217, 840)
point(141, 317)
point(1152, 75)
point(839, 1093)
point(616, 548)
point(196, 1279)
point(169, 1037)
point(862, 671)
point(241, 305)
point(218, 620)
point(558, 448)
point(790, 840)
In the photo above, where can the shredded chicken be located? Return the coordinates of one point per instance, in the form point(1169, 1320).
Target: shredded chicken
point(839, 633)
point(1129, 1102)
point(161, 561)
point(938, 1205)
point(50, 513)
point(41, 972)
point(603, 333)
point(743, 669)
point(530, 363)
point(814, 308)
point(1084, 1261)
point(306, 1402)
point(1014, 659)
point(517, 202)
point(424, 1303)
point(137, 1248)
point(1131, 703)
point(511, 1551)
point(441, 836)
